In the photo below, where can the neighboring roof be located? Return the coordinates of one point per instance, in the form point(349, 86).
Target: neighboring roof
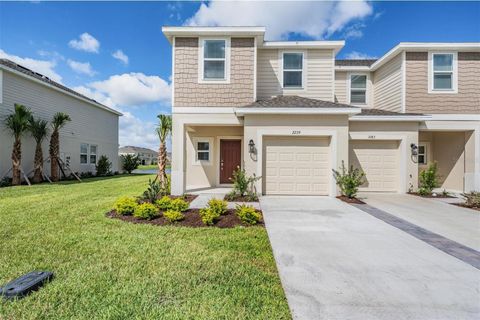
point(381, 112)
point(385, 115)
point(133, 149)
point(10, 65)
point(354, 62)
point(296, 102)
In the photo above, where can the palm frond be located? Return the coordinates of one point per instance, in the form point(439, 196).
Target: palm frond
point(38, 129)
point(164, 126)
point(59, 120)
point(17, 122)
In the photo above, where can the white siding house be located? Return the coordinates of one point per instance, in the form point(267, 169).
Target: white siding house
point(94, 127)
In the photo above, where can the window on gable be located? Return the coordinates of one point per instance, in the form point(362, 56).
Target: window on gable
point(358, 89)
point(214, 60)
point(443, 71)
point(293, 70)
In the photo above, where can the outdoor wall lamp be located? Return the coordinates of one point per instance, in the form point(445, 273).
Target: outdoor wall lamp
point(251, 146)
point(414, 148)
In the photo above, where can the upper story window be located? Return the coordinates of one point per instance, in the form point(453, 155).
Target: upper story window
point(293, 70)
point(443, 72)
point(358, 89)
point(214, 60)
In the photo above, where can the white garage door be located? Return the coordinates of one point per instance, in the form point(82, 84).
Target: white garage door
point(296, 166)
point(379, 161)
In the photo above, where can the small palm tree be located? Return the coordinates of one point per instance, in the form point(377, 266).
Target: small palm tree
point(38, 129)
point(164, 129)
point(17, 124)
point(59, 120)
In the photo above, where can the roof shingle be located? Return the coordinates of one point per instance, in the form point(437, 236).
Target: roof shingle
point(296, 102)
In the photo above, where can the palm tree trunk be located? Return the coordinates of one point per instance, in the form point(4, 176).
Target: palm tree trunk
point(162, 163)
point(54, 149)
point(38, 163)
point(16, 161)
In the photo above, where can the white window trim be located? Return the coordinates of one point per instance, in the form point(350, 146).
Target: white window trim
point(201, 79)
point(426, 146)
point(197, 162)
point(304, 70)
point(349, 91)
point(87, 154)
point(454, 73)
point(90, 153)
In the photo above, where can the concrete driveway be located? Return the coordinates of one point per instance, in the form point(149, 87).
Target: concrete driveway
point(338, 262)
point(455, 223)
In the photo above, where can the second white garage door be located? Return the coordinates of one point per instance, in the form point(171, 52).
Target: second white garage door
point(297, 166)
point(379, 161)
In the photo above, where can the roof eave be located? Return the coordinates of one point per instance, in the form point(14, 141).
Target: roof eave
point(391, 118)
point(171, 32)
point(296, 110)
point(333, 45)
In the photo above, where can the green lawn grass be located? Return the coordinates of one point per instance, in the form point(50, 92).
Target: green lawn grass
point(150, 167)
point(109, 269)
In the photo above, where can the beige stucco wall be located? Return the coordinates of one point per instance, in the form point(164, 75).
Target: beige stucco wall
point(467, 100)
point(387, 83)
point(188, 92)
point(454, 153)
point(318, 68)
point(258, 126)
point(199, 175)
point(89, 124)
point(406, 132)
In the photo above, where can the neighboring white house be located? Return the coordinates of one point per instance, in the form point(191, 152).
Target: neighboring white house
point(92, 132)
point(147, 156)
point(290, 112)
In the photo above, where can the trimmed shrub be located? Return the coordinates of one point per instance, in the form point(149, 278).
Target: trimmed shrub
point(243, 185)
point(103, 166)
point(145, 211)
point(349, 180)
point(248, 214)
point(173, 215)
point(209, 216)
point(472, 199)
point(125, 205)
point(130, 162)
point(218, 206)
point(164, 203)
point(428, 179)
point(179, 204)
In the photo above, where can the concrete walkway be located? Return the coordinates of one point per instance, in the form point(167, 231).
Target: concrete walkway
point(337, 262)
point(455, 223)
point(218, 193)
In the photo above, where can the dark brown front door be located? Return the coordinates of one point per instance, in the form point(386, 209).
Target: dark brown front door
point(230, 158)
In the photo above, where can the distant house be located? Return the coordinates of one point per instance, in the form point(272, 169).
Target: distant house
point(147, 156)
point(92, 132)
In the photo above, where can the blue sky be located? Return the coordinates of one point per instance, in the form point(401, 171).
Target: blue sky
point(47, 37)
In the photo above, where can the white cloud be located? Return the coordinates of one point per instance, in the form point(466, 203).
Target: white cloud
point(354, 31)
point(44, 67)
point(120, 56)
point(133, 89)
point(358, 55)
point(135, 132)
point(316, 20)
point(86, 43)
point(81, 67)
point(50, 54)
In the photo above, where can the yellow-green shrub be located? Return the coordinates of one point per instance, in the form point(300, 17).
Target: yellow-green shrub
point(125, 205)
point(179, 204)
point(145, 211)
point(248, 214)
point(173, 215)
point(209, 216)
point(218, 206)
point(164, 203)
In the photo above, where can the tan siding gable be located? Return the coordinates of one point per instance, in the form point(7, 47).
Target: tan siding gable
point(387, 83)
point(319, 75)
point(467, 100)
point(341, 86)
point(190, 93)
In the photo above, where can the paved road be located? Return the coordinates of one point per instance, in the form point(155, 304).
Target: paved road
point(338, 262)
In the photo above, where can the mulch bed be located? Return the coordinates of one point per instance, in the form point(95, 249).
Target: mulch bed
point(187, 197)
point(439, 195)
point(238, 199)
point(465, 206)
point(350, 200)
point(192, 220)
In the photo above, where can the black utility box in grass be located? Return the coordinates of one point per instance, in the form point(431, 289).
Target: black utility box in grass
point(25, 284)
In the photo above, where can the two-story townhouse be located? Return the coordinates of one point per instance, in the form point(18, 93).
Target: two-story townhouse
point(290, 112)
point(93, 131)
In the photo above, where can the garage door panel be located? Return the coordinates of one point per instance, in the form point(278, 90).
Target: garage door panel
point(379, 161)
point(297, 165)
